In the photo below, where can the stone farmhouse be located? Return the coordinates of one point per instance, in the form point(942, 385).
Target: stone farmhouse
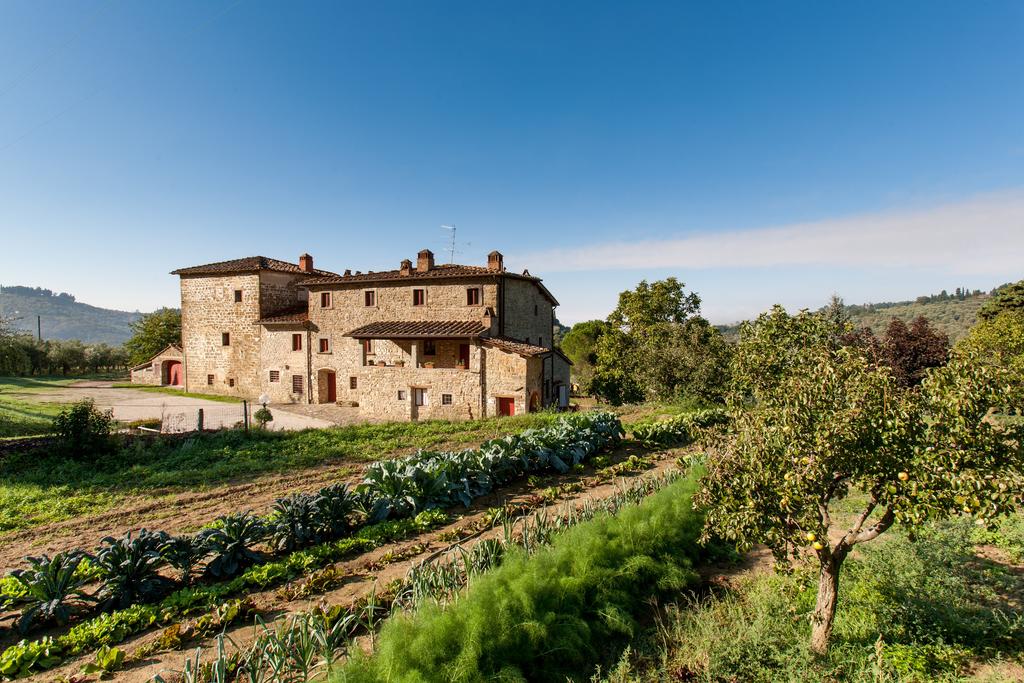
point(422, 341)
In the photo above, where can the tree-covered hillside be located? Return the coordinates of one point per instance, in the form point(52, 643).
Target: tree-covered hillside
point(951, 313)
point(63, 317)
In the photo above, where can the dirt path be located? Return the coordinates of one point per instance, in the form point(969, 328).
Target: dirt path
point(362, 576)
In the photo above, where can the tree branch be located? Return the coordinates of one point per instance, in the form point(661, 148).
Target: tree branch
point(876, 529)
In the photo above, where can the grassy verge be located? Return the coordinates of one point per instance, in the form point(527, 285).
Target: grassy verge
point(177, 392)
point(19, 417)
point(551, 616)
point(930, 610)
point(36, 488)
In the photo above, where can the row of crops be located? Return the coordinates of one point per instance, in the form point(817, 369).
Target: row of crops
point(310, 644)
point(680, 430)
point(241, 552)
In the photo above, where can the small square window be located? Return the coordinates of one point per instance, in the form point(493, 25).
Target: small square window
point(238, 296)
point(296, 384)
point(353, 383)
point(325, 345)
point(370, 297)
point(419, 297)
point(325, 299)
point(297, 342)
point(429, 347)
point(231, 382)
point(209, 380)
point(473, 296)
point(401, 394)
point(225, 339)
point(446, 399)
point(275, 375)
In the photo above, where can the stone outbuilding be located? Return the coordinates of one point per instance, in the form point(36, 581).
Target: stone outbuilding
point(164, 369)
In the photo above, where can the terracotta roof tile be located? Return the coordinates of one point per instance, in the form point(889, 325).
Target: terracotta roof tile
point(294, 314)
point(250, 263)
point(438, 272)
point(419, 329)
point(522, 348)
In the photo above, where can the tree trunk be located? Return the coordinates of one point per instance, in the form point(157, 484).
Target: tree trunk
point(825, 610)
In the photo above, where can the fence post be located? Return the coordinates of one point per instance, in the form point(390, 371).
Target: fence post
point(245, 414)
point(199, 421)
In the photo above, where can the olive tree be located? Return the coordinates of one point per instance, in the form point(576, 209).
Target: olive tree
point(816, 420)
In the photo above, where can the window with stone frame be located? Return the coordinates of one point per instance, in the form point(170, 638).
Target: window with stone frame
point(446, 399)
point(297, 342)
point(370, 297)
point(353, 382)
point(473, 296)
point(231, 381)
point(296, 384)
point(401, 394)
point(275, 375)
point(209, 380)
point(238, 296)
point(325, 299)
point(325, 345)
point(419, 297)
point(225, 339)
point(368, 347)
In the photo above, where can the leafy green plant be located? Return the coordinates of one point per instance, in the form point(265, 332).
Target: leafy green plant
point(130, 569)
point(294, 522)
point(263, 416)
point(52, 589)
point(184, 553)
point(231, 544)
point(335, 506)
point(108, 660)
point(18, 661)
point(679, 430)
point(83, 430)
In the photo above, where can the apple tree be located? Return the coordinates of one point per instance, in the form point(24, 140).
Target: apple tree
point(816, 421)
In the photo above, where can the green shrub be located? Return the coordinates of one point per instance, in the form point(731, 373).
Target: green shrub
point(553, 615)
point(83, 430)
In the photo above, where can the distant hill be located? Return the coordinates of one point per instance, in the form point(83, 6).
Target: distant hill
point(953, 314)
point(63, 317)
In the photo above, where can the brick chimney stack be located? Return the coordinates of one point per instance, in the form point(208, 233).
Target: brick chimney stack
point(425, 261)
point(495, 261)
point(306, 263)
point(406, 267)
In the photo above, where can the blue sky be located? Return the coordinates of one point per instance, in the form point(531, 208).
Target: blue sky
point(762, 152)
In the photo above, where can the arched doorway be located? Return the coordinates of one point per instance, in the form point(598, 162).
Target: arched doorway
point(172, 373)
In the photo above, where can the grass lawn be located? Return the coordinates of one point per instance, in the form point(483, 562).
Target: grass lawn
point(38, 488)
point(28, 418)
point(177, 392)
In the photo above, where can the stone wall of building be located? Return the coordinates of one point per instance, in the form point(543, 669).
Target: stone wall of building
point(277, 356)
point(208, 310)
point(506, 377)
point(380, 388)
point(147, 374)
point(279, 292)
point(528, 313)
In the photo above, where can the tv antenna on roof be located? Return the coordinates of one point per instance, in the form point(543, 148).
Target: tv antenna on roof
point(451, 243)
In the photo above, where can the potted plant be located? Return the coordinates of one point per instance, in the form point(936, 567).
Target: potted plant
point(399, 363)
point(429, 364)
point(461, 364)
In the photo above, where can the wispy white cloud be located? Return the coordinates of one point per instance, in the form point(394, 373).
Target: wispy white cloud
point(983, 234)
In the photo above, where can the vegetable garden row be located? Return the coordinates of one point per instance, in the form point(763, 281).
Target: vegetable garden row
point(302, 533)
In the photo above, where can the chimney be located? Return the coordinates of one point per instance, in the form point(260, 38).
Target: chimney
point(406, 267)
point(425, 261)
point(306, 263)
point(495, 261)
point(348, 272)
point(490, 322)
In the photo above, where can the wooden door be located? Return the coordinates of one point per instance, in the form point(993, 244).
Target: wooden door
point(332, 387)
point(506, 406)
point(174, 373)
point(464, 355)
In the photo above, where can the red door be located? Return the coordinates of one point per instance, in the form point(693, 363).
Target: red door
point(506, 406)
point(174, 373)
point(332, 387)
point(464, 355)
